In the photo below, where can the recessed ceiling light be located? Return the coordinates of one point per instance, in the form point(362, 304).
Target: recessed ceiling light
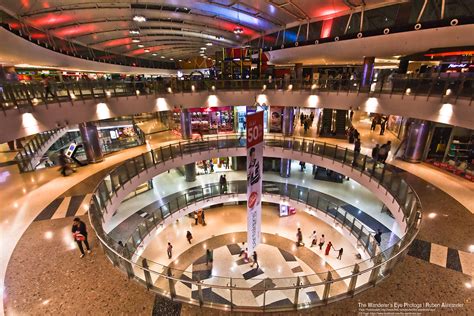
point(135, 32)
point(135, 40)
point(203, 48)
point(209, 44)
point(146, 50)
point(141, 45)
point(139, 18)
point(180, 60)
point(171, 58)
point(154, 54)
point(163, 57)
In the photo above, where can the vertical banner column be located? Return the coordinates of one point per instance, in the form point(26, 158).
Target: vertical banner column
point(254, 179)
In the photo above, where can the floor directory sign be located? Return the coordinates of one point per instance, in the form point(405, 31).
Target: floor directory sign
point(254, 178)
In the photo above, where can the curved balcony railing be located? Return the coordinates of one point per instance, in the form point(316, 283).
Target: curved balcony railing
point(329, 285)
point(312, 198)
point(21, 96)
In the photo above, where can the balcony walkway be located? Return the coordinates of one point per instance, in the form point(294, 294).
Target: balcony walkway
point(26, 195)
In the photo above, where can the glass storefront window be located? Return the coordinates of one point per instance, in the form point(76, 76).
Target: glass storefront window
point(315, 30)
point(339, 25)
point(291, 35)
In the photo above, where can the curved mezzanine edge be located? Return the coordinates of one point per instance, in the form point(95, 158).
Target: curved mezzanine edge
point(437, 107)
point(411, 206)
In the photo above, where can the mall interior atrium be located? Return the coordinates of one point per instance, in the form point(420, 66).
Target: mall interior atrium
point(236, 157)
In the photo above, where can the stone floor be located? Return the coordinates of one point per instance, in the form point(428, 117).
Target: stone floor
point(49, 278)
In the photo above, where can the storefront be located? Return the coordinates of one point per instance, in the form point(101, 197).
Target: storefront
point(215, 165)
point(452, 149)
point(209, 120)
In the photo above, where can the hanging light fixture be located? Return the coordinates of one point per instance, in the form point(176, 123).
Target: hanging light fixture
point(238, 30)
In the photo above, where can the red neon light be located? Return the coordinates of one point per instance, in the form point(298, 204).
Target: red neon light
point(116, 42)
point(326, 28)
point(50, 20)
point(464, 52)
point(75, 30)
point(25, 3)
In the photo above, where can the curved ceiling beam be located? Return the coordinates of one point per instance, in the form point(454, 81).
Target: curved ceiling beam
point(171, 33)
point(89, 28)
point(126, 47)
point(72, 31)
point(58, 17)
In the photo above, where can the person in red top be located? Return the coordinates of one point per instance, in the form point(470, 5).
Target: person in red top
point(79, 233)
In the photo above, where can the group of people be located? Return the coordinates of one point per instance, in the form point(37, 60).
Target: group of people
point(306, 121)
point(314, 242)
point(199, 217)
point(244, 252)
point(382, 120)
point(222, 184)
point(380, 153)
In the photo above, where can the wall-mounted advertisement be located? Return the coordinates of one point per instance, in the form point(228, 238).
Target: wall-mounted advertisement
point(254, 178)
point(276, 114)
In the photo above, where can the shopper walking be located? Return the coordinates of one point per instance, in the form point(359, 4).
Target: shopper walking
point(209, 257)
point(328, 248)
point(169, 250)
point(189, 236)
point(339, 256)
point(299, 238)
point(242, 249)
point(46, 86)
point(254, 260)
point(321, 242)
point(374, 123)
point(382, 125)
point(378, 236)
point(225, 184)
point(203, 218)
point(221, 184)
point(375, 153)
point(356, 151)
point(79, 233)
point(313, 237)
point(196, 218)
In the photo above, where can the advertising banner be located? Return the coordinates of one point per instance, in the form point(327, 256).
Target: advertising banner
point(254, 179)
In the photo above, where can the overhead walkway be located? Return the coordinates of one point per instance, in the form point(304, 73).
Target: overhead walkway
point(445, 100)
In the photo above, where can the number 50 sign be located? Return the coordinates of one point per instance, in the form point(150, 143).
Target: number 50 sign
point(254, 129)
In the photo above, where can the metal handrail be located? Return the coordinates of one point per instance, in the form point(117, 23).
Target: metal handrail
point(31, 94)
point(395, 186)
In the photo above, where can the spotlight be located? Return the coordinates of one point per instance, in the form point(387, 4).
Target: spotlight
point(139, 18)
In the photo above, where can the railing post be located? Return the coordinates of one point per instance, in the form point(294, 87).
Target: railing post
point(390, 264)
point(352, 226)
point(297, 292)
point(363, 164)
point(375, 271)
point(345, 156)
point(146, 272)
point(324, 150)
point(127, 264)
point(172, 283)
point(327, 287)
point(335, 154)
point(200, 297)
point(231, 295)
point(353, 282)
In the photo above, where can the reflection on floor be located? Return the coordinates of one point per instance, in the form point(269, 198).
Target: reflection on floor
point(227, 219)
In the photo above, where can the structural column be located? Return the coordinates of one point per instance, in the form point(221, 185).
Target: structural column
point(90, 141)
point(287, 130)
point(418, 131)
point(367, 71)
point(186, 132)
point(299, 71)
point(403, 66)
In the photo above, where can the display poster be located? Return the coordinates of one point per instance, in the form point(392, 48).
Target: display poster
point(276, 119)
point(254, 178)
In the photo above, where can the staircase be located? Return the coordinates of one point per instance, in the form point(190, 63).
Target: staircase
point(30, 155)
point(326, 123)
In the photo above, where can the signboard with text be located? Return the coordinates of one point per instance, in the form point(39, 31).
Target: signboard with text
point(254, 178)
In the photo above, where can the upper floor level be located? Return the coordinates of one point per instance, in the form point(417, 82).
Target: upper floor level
point(32, 108)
